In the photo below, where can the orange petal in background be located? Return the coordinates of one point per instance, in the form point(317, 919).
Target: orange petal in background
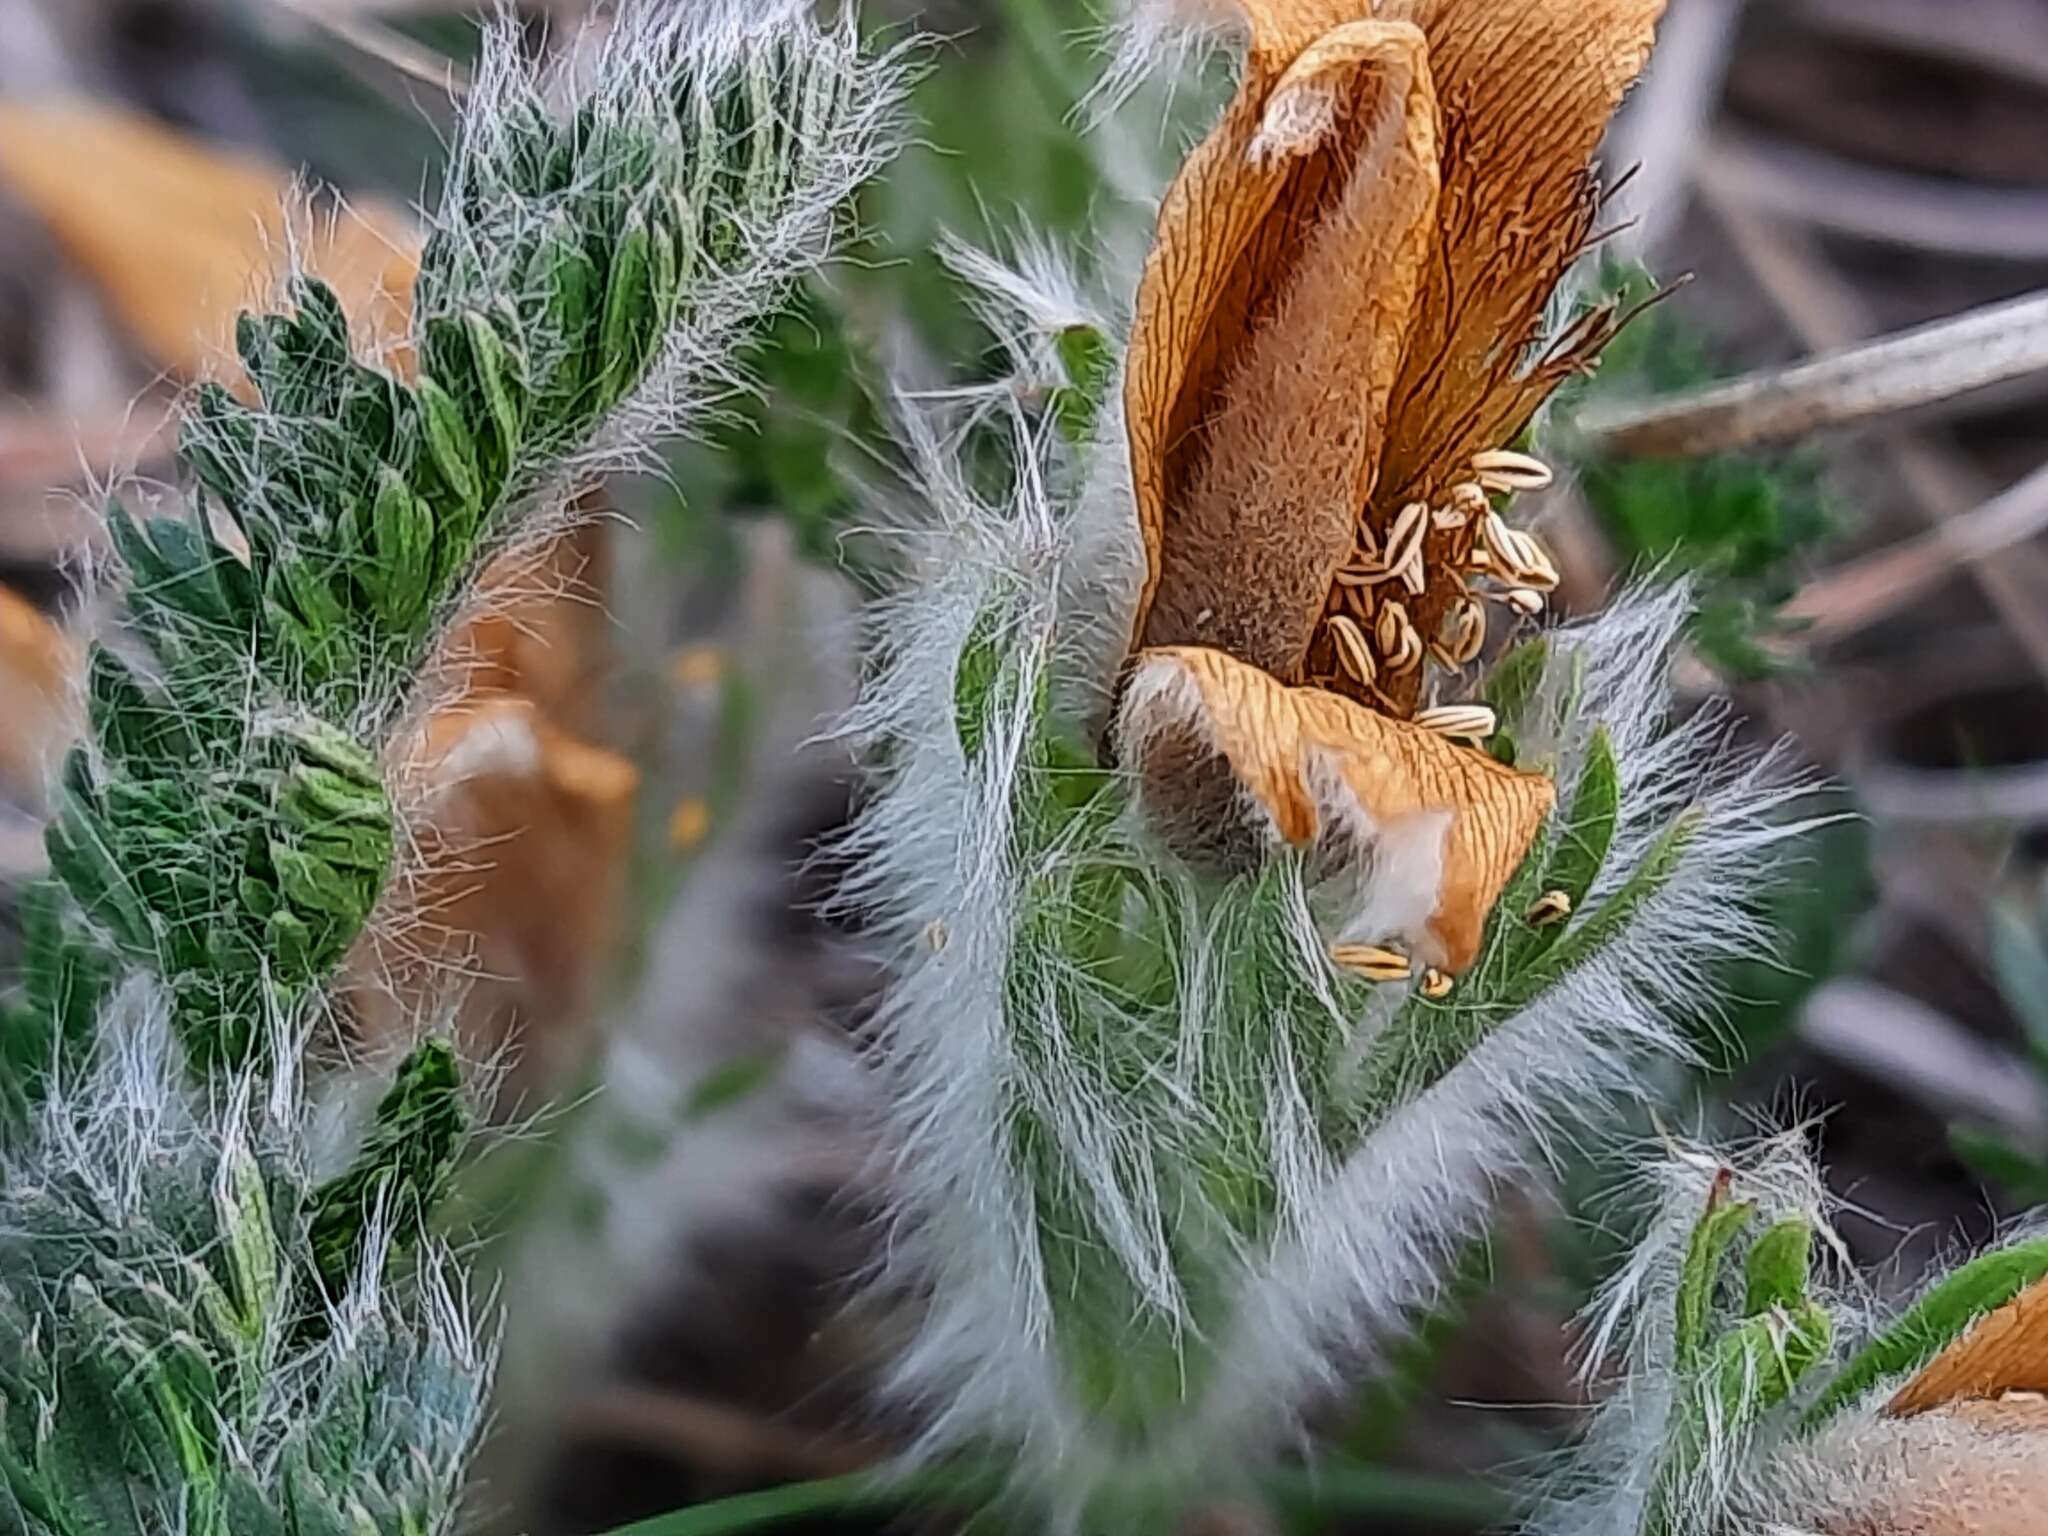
point(2005, 1351)
point(1203, 731)
point(1273, 447)
point(38, 714)
point(179, 237)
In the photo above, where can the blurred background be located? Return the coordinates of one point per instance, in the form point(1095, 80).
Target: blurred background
point(633, 829)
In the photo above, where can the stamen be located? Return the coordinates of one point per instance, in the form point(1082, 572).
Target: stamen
point(1496, 538)
point(1352, 650)
point(1532, 565)
point(1503, 469)
point(1373, 962)
point(1464, 722)
point(1463, 633)
point(1435, 984)
point(1400, 646)
point(1528, 603)
point(1404, 546)
point(1358, 574)
point(1548, 910)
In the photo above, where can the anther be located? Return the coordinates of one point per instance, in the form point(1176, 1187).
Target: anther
point(1373, 962)
point(1503, 469)
point(1463, 722)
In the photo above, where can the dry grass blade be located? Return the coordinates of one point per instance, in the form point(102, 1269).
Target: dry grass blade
point(374, 39)
point(1924, 366)
point(2009, 37)
point(1886, 207)
point(1863, 591)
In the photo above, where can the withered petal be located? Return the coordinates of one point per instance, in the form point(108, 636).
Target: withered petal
point(1202, 731)
point(1527, 88)
point(1270, 329)
point(2005, 1351)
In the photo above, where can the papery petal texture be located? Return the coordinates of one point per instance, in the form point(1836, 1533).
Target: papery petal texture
point(1290, 748)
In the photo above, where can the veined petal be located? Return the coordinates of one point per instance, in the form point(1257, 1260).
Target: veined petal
point(1270, 328)
point(1527, 88)
point(1209, 738)
point(2006, 1351)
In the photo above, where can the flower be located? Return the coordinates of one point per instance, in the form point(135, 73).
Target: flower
point(1334, 350)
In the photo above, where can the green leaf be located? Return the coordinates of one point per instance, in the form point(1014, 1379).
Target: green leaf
point(1700, 1275)
point(452, 451)
point(1089, 362)
point(1932, 1323)
point(631, 322)
point(1779, 1266)
point(249, 1243)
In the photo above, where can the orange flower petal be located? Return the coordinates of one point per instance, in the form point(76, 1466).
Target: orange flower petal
point(1527, 90)
point(1270, 329)
point(2006, 1351)
point(1203, 731)
point(180, 237)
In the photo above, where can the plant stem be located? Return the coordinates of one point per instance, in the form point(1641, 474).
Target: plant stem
point(1349, 1488)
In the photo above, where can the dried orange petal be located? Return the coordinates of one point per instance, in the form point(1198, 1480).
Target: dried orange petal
point(1270, 327)
point(1210, 737)
point(2005, 1351)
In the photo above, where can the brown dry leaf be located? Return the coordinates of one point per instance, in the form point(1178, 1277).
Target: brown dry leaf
point(180, 236)
point(2006, 1351)
point(37, 712)
point(1199, 729)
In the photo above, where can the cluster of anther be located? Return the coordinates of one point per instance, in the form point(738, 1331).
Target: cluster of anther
point(1443, 561)
point(1448, 560)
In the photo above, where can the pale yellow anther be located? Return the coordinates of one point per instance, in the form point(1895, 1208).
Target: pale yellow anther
point(1461, 722)
point(1373, 962)
point(1353, 652)
point(1464, 631)
point(1400, 646)
point(1503, 469)
point(1436, 985)
point(1548, 910)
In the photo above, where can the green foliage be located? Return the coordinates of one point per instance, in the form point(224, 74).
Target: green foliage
point(400, 1170)
point(1001, 118)
point(1736, 1360)
point(156, 1372)
point(226, 829)
point(1738, 524)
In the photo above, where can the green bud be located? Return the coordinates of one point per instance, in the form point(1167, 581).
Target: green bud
point(1700, 1275)
point(630, 323)
point(450, 449)
point(1088, 362)
point(1779, 1266)
point(249, 1244)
